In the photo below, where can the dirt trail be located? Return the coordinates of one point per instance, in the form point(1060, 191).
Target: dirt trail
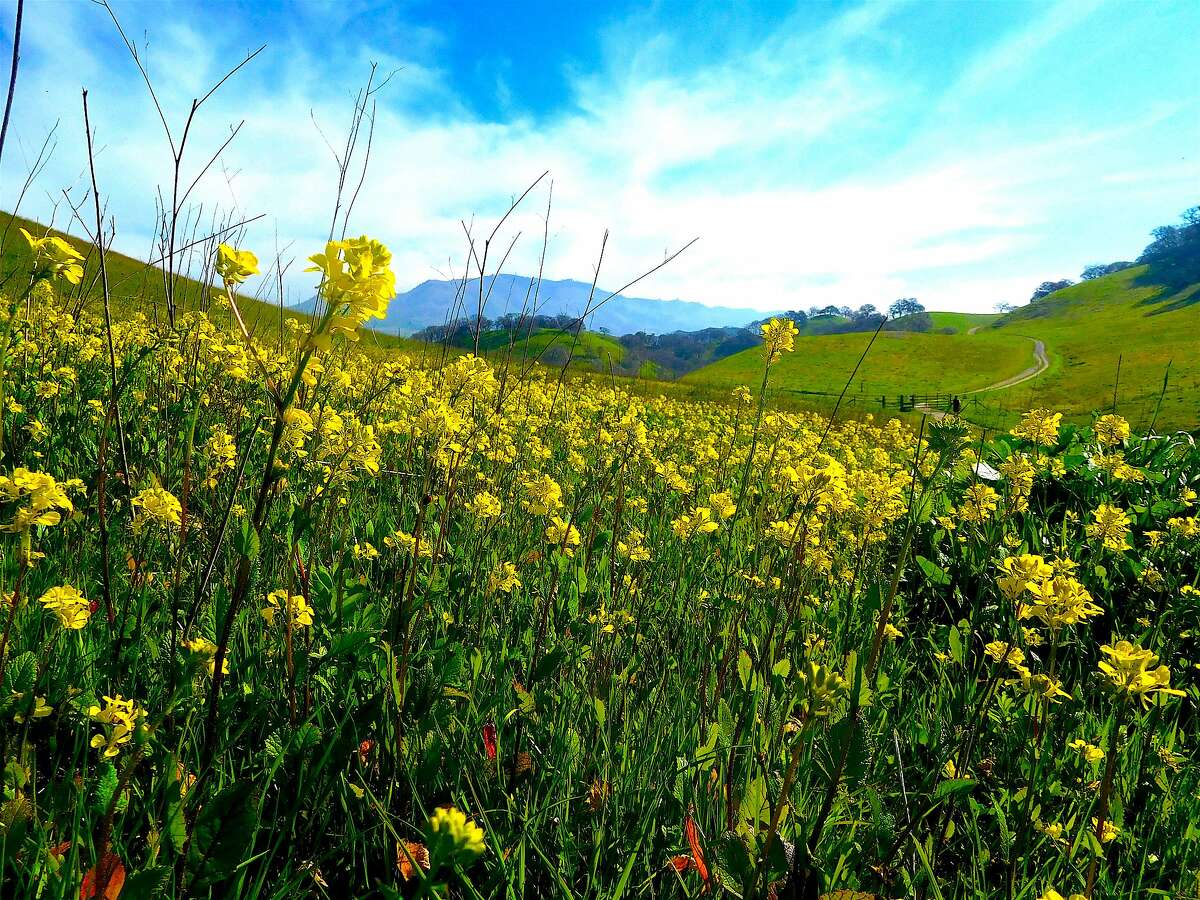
point(1041, 364)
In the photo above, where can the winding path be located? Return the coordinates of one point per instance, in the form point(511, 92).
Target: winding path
point(1041, 364)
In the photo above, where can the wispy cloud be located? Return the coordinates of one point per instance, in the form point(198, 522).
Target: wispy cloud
point(808, 171)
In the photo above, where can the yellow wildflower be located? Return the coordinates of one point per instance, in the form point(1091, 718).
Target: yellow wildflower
point(299, 613)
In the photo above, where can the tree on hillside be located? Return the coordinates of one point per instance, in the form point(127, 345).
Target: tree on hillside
point(1046, 288)
point(905, 306)
point(1099, 270)
point(1174, 254)
point(1004, 307)
point(866, 317)
point(906, 314)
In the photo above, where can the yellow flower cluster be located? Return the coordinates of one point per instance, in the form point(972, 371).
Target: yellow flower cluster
point(357, 284)
point(1110, 527)
point(158, 507)
point(460, 834)
point(118, 718)
point(44, 499)
point(779, 337)
point(1046, 591)
point(1039, 426)
point(698, 521)
point(205, 652)
point(235, 266)
point(296, 610)
point(1131, 670)
point(54, 257)
point(71, 607)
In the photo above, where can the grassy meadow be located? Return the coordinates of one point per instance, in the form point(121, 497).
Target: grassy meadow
point(1115, 337)
point(899, 362)
point(1113, 343)
point(547, 345)
point(285, 614)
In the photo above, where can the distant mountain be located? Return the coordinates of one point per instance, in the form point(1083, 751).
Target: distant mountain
point(430, 303)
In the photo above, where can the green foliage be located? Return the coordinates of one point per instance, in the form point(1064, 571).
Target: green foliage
point(679, 647)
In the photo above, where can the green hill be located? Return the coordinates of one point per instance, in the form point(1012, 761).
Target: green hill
point(900, 362)
point(1097, 327)
point(552, 345)
point(961, 323)
point(1089, 331)
point(135, 286)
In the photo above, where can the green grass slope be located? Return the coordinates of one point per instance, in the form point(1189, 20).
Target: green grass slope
point(1093, 328)
point(900, 362)
point(552, 345)
point(135, 286)
point(962, 323)
point(1110, 336)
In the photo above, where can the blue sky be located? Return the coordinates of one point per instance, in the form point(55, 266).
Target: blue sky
point(823, 153)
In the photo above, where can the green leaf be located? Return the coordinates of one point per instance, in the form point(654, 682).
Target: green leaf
point(934, 573)
point(548, 665)
point(600, 710)
point(744, 666)
point(106, 785)
point(857, 756)
point(725, 720)
point(710, 743)
point(525, 701)
point(735, 856)
point(783, 668)
point(349, 643)
point(755, 808)
point(956, 645)
point(246, 541)
point(176, 826)
point(146, 884)
point(953, 786)
point(21, 672)
point(223, 834)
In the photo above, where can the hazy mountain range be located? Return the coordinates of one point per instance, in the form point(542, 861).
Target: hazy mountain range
point(430, 303)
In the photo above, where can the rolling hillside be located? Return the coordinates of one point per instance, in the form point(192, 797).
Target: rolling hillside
point(551, 347)
point(900, 362)
point(1108, 336)
point(137, 287)
point(1092, 328)
point(961, 323)
point(993, 362)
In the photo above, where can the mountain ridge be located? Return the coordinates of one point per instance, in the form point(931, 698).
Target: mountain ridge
point(432, 301)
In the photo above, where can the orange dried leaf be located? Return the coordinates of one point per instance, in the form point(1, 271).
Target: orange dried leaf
point(408, 853)
point(693, 839)
point(104, 880)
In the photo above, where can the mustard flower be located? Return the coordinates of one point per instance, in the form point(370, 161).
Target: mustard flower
point(458, 834)
point(299, 614)
point(235, 266)
point(54, 257)
point(1131, 670)
point(779, 337)
point(71, 607)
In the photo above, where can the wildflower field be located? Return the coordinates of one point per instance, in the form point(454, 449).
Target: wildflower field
point(282, 616)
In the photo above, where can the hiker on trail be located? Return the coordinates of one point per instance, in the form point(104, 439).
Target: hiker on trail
point(956, 405)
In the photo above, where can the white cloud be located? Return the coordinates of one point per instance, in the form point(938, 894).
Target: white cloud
point(653, 156)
